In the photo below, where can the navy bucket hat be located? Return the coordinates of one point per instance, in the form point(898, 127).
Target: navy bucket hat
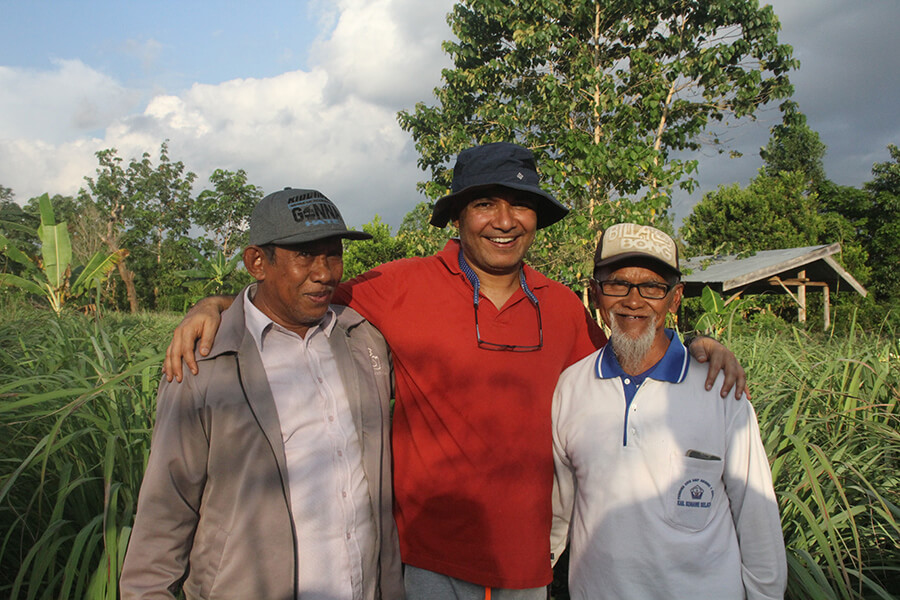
point(503, 165)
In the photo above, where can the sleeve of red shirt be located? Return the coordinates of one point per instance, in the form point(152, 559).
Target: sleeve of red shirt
point(590, 337)
point(370, 294)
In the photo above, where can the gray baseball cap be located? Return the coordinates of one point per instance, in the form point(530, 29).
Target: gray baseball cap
point(295, 216)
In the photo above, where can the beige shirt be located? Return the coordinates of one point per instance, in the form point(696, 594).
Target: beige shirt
point(330, 507)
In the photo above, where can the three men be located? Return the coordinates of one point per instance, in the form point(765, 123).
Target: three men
point(269, 469)
point(478, 340)
point(670, 487)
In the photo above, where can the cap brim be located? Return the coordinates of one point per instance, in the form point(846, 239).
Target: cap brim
point(315, 237)
point(636, 258)
point(549, 209)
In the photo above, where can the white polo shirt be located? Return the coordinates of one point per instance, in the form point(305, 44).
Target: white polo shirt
point(329, 495)
point(670, 495)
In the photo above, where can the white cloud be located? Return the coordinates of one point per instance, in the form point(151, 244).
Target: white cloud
point(386, 51)
point(59, 105)
point(332, 127)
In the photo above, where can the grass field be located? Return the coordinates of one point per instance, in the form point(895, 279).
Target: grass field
point(77, 403)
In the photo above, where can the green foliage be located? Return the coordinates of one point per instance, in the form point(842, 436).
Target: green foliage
point(363, 255)
point(881, 230)
point(213, 275)
point(225, 210)
point(78, 404)
point(718, 313)
point(144, 207)
point(770, 213)
point(53, 276)
point(828, 411)
point(601, 91)
point(795, 147)
point(76, 414)
point(17, 229)
point(419, 236)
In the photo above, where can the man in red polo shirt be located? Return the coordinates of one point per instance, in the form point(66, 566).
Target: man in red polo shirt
point(478, 340)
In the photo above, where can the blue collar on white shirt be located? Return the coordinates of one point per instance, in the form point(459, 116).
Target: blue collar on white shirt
point(258, 323)
point(672, 367)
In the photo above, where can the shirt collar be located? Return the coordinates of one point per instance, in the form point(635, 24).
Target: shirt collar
point(672, 367)
point(259, 325)
point(450, 257)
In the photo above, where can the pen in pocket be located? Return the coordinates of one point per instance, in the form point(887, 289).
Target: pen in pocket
point(701, 455)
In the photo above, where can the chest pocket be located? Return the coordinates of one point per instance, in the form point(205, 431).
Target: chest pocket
point(695, 492)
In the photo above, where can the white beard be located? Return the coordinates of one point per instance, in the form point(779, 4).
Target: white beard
point(631, 351)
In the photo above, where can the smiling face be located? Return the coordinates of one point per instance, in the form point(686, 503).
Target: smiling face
point(296, 286)
point(496, 231)
point(637, 322)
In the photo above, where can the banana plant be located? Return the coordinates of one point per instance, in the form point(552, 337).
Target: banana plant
point(214, 272)
point(52, 275)
point(718, 313)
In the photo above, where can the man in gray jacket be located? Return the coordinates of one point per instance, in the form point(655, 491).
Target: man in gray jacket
point(269, 471)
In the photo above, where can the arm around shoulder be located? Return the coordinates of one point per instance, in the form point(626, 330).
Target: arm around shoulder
point(198, 328)
point(720, 358)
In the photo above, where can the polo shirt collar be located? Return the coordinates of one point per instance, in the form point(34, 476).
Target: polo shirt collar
point(672, 367)
point(258, 324)
point(450, 257)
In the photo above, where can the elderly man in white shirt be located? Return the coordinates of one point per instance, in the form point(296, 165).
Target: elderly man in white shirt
point(664, 489)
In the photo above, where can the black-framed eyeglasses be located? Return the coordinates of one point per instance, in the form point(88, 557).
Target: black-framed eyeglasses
point(650, 290)
point(511, 347)
point(476, 285)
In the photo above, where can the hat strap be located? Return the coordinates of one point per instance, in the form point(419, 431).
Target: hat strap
point(476, 284)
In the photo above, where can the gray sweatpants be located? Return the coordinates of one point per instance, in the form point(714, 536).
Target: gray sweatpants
point(428, 585)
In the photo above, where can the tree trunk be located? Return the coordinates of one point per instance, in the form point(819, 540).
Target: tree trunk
point(112, 242)
point(128, 278)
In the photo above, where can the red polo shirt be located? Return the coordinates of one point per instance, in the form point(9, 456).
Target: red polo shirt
point(473, 465)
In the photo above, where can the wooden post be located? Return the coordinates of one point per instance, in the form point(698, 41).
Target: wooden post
point(801, 297)
point(826, 296)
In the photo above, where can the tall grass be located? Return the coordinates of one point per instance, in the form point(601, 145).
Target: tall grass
point(828, 412)
point(76, 411)
point(77, 405)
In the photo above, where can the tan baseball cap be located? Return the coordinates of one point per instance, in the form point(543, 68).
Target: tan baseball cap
point(628, 242)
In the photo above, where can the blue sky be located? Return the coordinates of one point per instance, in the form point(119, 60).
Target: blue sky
point(170, 44)
point(306, 93)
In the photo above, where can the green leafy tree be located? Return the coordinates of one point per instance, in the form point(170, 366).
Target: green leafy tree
point(603, 92)
point(161, 212)
point(16, 226)
point(792, 147)
point(142, 206)
point(879, 226)
point(361, 256)
point(770, 213)
point(111, 191)
point(225, 210)
point(421, 238)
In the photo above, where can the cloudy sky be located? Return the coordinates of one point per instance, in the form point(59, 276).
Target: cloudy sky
point(306, 93)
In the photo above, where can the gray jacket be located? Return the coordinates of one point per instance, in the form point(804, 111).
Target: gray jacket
point(214, 507)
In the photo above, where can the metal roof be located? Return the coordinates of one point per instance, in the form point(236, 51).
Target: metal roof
point(757, 273)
